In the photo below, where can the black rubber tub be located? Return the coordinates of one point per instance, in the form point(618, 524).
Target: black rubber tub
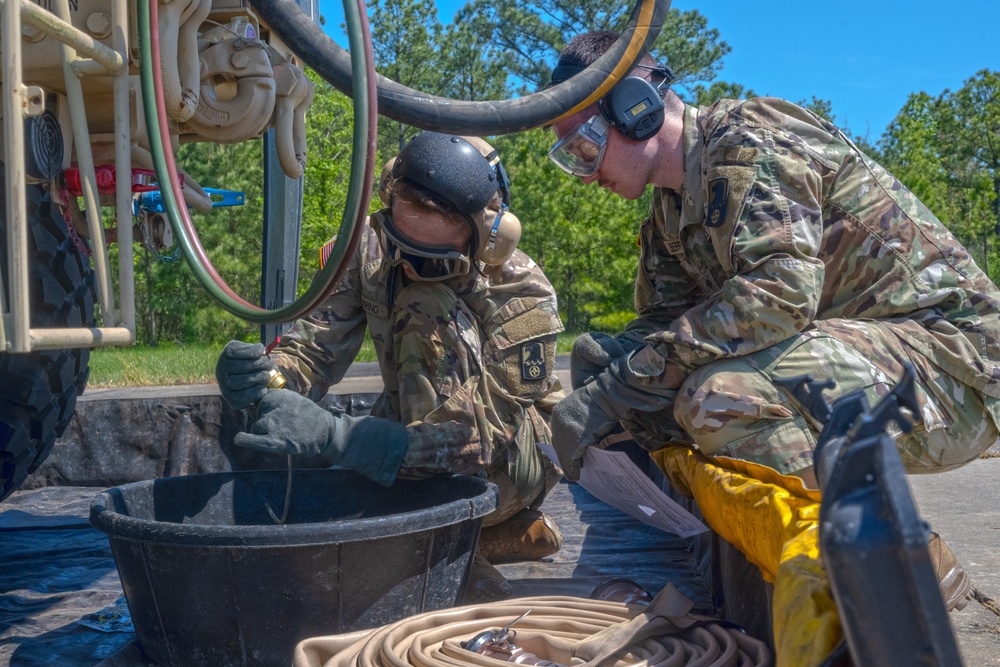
point(210, 578)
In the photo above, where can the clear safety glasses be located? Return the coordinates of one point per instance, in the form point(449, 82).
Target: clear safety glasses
point(580, 152)
point(431, 262)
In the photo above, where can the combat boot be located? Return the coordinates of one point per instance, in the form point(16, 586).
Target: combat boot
point(528, 535)
point(485, 584)
point(956, 587)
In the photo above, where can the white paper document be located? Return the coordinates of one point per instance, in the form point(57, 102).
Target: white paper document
point(613, 478)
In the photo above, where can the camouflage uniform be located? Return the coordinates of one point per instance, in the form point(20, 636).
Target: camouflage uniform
point(787, 252)
point(468, 362)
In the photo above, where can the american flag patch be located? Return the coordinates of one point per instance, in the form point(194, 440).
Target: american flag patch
point(324, 252)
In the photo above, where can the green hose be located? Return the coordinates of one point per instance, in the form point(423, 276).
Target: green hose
point(358, 194)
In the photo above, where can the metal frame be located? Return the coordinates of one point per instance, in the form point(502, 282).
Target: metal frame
point(19, 102)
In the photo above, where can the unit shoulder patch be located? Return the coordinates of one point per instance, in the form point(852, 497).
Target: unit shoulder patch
point(718, 201)
point(533, 363)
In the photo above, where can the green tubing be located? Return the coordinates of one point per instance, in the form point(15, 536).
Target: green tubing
point(358, 194)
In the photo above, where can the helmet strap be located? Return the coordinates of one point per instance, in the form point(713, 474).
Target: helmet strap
point(491, 244)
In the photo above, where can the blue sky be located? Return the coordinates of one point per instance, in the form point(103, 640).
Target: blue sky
point(865, 57)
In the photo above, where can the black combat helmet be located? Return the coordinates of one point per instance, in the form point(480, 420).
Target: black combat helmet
point(450, 167)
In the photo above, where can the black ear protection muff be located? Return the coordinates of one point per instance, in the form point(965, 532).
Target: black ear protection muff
point(635, 106)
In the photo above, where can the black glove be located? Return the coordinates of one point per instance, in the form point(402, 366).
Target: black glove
point(243, 371)
point(593, 352)
point(288, 423)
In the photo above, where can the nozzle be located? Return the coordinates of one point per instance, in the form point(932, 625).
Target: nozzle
point(275, 379)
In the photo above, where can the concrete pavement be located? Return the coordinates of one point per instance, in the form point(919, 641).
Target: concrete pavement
point(962, 506)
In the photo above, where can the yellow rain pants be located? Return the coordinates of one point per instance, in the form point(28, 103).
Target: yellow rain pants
point(774, 520)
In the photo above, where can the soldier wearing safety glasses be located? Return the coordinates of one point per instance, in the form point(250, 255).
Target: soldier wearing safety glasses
point(465, 328)
point(774, 248)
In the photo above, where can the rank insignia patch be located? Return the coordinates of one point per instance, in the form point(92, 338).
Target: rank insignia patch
point(718, 201)
point(533, 361)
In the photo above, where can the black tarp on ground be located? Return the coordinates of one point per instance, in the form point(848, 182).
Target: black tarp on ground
point(59, 576)
point(58, 573)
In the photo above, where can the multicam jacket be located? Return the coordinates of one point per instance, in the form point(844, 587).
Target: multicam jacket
point(783, 223)
point(496, 389)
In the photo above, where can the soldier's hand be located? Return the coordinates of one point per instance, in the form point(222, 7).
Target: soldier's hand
point(243, 371)
point(288, 423)
point(593, 352)
point(578, 422)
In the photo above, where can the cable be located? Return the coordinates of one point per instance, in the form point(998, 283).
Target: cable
point(429, 112)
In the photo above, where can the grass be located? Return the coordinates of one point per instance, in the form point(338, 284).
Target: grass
point(170, 364)
point(143, 366)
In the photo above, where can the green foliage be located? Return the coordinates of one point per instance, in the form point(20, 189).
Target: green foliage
point(406, 40)
point(414, 49)
point(947, 150)
point(171, 304)
point(530, 34)
point(611, 322)
point(471, 65)
point(329, 135)
point(912, 150)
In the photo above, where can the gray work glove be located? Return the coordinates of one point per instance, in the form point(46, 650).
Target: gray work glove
point(579, 421)
point(288, 423)
point(593, 352)
point(243, 371)
point(592, 412)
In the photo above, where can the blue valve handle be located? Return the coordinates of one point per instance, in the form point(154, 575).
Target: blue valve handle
point(152, 201)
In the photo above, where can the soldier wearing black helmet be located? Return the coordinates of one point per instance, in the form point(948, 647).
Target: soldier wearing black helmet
point(464, 326)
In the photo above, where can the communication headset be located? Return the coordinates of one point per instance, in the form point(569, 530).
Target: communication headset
point(634, 106)
point(498, 229)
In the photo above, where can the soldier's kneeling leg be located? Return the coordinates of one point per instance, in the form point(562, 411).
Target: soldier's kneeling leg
point(734, 408)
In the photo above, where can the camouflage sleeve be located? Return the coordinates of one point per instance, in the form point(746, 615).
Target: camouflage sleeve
point(450, 438)
point(315, 353)
point(764, 194)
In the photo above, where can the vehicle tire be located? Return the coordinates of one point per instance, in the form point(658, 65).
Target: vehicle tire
point(38, 390)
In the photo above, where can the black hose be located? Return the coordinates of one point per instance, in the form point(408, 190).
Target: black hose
point(287, 20)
